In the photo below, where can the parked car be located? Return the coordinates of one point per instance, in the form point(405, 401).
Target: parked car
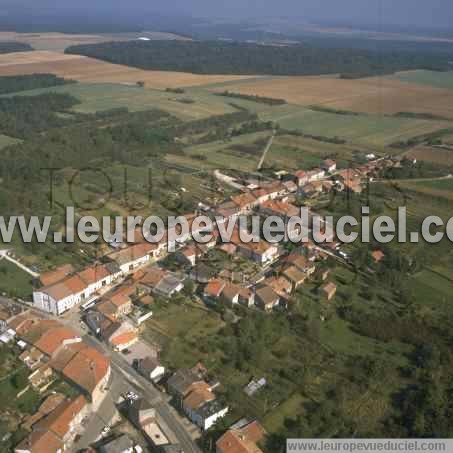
point(131, 396)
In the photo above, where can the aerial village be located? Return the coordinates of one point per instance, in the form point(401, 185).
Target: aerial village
point(73, 311)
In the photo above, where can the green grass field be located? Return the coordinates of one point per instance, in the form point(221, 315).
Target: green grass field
point(423, 77)
point(104, 96)
point(14, 281)
point(433, 289)
point(371, 130)
point(441, 188)
point(440, 184)
point(6, 141)
point(221, 154)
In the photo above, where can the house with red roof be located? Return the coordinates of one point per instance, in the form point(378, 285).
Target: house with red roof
point(241, 439)
point(56, 431)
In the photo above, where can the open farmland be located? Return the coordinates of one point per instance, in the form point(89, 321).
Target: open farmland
point(221, 155)
point(432, 154)
point(84, 69)
point(370, 95)
point(58, 42)
point(372, 130)
point(96, 97)
point(440, 188)
point(428, 78)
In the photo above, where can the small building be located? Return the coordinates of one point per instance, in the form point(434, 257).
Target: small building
point(301, 177)
point(151, 368)
point(229, 248)
point(189, 254)
point(121, 444)
point(266, 298)
point(295, 276)
point(179, 383)
point(169, 285)
point(230, 294)
point(213, 290)
point(120, 335)
point(254, 385)
point(246, 297)
point(300, 262)
point(57, 428)
point(241, 438)
point(329, 290)
point(32, 358)
point(261, 252)
point(316, 174)
point(280, 208)
point(202, 273)
point(280, 285)
point(329, 165)
point(377, 255)
point(202, 407)
point(41, 377)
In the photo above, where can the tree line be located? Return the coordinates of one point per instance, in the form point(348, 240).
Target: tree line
point(16, 83)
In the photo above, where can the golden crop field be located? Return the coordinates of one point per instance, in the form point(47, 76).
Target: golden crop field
point(369, 95)
point(84, 69)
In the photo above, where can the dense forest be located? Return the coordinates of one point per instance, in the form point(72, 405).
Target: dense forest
point(16, 83)
point(213, 57)
point(12, 46)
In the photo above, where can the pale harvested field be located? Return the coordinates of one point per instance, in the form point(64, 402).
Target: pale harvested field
point(371, 95)
point(84, 69)
point(58, 42)
point(51, 41)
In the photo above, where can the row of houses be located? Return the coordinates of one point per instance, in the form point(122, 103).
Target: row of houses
point(53, 351)
point(269, 293)
point(64, 288)
point(56, 431)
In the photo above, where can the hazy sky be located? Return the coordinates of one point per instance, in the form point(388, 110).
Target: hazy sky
point(432, 13)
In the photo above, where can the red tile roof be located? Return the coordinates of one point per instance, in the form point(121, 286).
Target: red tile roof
point(54, 338)
point(241, 440)
point(214, 288)
point(87, 368)
point(65, 288)
point(93, 274)
point(378, 255)
point(124, 338)
point(51, 277)
point(41, 442)
point(198, 394)
point(59, 421)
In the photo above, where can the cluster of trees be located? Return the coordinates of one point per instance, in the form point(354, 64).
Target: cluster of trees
point(16, 83)
point(215, 57)
point(22, 116)
point(320, 108)
point(219, 127)
point(254, 98)
point(12, 46)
